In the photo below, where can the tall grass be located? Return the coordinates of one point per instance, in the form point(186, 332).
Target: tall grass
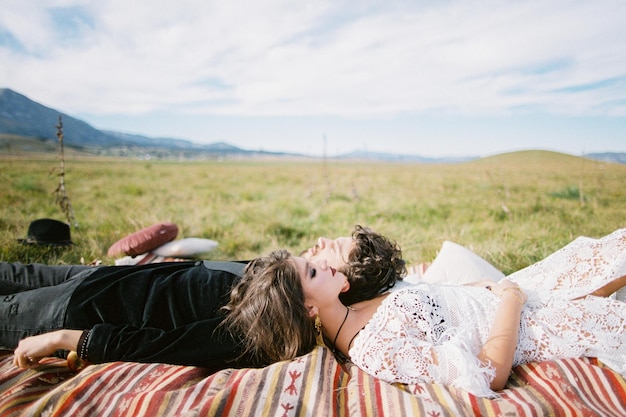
point(512, 209)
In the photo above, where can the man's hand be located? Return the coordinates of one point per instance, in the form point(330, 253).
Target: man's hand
point(31, 350)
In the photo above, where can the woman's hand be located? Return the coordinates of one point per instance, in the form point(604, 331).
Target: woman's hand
point(499, 288)
point(31, 350)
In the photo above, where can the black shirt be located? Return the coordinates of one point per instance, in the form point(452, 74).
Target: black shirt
point(169, 313)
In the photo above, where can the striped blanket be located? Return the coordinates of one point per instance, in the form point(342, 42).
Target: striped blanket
point(312, 385)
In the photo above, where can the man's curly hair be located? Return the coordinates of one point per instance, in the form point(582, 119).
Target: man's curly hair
point(373, 266)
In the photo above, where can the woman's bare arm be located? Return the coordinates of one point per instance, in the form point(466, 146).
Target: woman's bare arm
point(499, 348)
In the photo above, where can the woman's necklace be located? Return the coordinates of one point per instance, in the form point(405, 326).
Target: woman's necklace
point(334, 348)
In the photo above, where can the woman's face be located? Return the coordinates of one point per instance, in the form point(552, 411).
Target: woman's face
point(321, 283)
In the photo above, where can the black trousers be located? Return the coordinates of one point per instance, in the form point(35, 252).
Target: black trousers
point(17, 277)
point(34, 298)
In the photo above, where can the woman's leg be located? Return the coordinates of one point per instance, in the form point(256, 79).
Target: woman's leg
point(16, 277)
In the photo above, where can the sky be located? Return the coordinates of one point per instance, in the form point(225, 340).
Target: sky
point(436, 78)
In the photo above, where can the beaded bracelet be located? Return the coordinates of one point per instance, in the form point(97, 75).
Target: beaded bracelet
point(82, 345)
point(519, 294)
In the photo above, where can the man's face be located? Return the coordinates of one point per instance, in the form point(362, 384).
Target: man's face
point(334, 251)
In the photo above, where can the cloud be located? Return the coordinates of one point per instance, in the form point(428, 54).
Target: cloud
point(273, 58)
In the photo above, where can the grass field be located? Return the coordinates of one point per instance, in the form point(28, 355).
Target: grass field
point(513, 209)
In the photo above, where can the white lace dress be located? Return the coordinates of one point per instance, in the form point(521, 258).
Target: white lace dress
point(454, 321)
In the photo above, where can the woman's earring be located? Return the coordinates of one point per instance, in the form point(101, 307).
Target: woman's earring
point(318, 331)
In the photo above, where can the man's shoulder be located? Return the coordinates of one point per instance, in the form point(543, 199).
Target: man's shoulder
point(233, 267)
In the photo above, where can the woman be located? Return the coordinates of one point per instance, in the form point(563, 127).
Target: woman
point(464, 336)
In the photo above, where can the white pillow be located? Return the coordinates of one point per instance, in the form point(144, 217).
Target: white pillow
point(455, 264)
point(184, 248)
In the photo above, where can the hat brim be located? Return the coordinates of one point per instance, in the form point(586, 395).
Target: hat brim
point(40, 243)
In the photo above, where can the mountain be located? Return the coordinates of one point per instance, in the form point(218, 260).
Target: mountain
point(615, 157)
point(24, 117)
point(21, 116)
point(393, 157)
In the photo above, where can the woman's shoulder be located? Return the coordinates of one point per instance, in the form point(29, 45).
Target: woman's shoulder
point(419, 288)
point(410, 296)
point(397, 308)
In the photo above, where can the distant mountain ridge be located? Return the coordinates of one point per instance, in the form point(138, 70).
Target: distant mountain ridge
point(24, 117)
point(615, 157)
point(393, 157)
point(21, 116)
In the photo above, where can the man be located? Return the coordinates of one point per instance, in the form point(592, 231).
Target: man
point(372, 263)
point(170, 312)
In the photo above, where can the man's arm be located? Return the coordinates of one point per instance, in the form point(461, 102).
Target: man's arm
point(203, 343)
point(32, 349)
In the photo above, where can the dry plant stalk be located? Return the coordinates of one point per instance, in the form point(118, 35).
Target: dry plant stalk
point(61, 197)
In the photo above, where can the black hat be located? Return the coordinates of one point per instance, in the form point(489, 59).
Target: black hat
point(48, 232)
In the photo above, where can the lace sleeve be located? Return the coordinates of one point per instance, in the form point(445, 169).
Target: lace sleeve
point(408, 341)
point(577, 269)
